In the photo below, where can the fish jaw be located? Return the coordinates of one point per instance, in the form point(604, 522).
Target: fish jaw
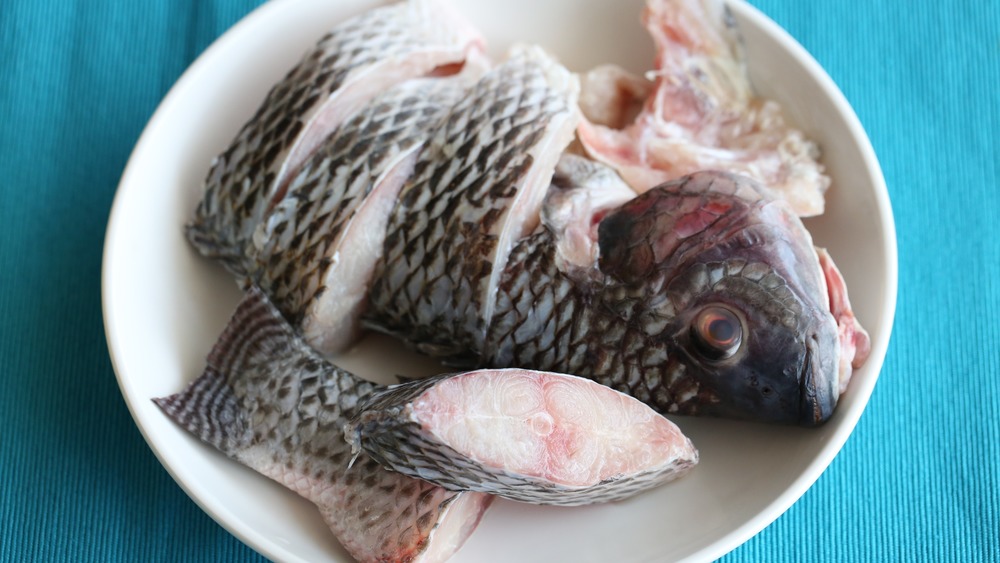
point(525, 435)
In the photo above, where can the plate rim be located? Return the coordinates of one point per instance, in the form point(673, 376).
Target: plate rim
point(726, 543)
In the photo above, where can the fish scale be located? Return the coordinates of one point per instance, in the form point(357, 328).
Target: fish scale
point(270, 402)
point(243, 181)
point(410, 428)
point(295, 245)
point(638, 297)
point(433, 285)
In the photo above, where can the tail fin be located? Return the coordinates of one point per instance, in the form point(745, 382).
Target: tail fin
point(257, 333)
point(210, 407)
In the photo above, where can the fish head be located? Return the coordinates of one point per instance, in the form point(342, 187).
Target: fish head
point(726, 281)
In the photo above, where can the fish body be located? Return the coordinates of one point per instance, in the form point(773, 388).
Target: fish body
point(442, 207)
point(700, 296)
point(529, 436)
point(482, 243)
point(352, 63)
point(314, 253)
point(267, 400)
point(702, 112)
point(476, 189)
point(634, 291)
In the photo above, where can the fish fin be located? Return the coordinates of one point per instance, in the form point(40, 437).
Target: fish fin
point(256, 334)
point(209, 409)
point(405, 378)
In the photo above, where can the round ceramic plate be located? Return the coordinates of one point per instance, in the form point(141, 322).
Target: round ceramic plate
point(164, 305)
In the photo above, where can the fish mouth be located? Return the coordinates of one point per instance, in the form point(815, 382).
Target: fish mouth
point(818, 385)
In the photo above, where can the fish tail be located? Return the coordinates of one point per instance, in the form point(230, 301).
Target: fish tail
point(208, 409)
point(212, 407)
point(257, 333)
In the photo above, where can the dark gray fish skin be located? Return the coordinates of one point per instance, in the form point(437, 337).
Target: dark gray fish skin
point(355, 60)
point(271, 403)
point(707, 240)
point(478, 184)
point(388, 429)
point(305, 234)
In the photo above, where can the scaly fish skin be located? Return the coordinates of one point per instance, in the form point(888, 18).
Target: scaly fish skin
point(306, 253)
point(270, 402)
point(706, 298)
point(476, 189)
point(525, 435)
point(356, 60)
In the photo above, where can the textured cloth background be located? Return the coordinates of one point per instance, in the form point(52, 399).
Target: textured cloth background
point(918, 480)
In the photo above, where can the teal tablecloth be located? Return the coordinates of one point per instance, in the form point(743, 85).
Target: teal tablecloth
point(918, 480)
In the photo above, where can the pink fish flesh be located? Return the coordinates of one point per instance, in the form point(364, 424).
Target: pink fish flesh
point(530, 436)
point(702, 113)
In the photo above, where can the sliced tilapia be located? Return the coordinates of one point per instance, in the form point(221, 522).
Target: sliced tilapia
point(476, 190)
point(702, 114)
point(356, 60)
point(700, 296)
point(315, 252)
point(530, 436)
point(270, 402)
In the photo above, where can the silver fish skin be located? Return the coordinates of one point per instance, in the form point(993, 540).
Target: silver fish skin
point(315, 252)
point(477, 188)
point(268, 401)
point(356, 60)
point(702, 296)
point(529, 436)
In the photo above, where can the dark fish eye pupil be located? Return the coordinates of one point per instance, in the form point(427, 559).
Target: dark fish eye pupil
point(717, 333)
point(721, 329)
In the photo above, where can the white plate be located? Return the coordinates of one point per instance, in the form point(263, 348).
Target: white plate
point(164, 305)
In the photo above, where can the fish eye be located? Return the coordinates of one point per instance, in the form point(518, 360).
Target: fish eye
point(717, 333)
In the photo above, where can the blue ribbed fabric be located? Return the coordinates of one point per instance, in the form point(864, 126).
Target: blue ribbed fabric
point(919, 480)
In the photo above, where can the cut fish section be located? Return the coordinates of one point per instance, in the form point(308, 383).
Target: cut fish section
point(352, 63)
point(268, 401)
point(317, 249)
point(477, 189)
point(531, 436)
